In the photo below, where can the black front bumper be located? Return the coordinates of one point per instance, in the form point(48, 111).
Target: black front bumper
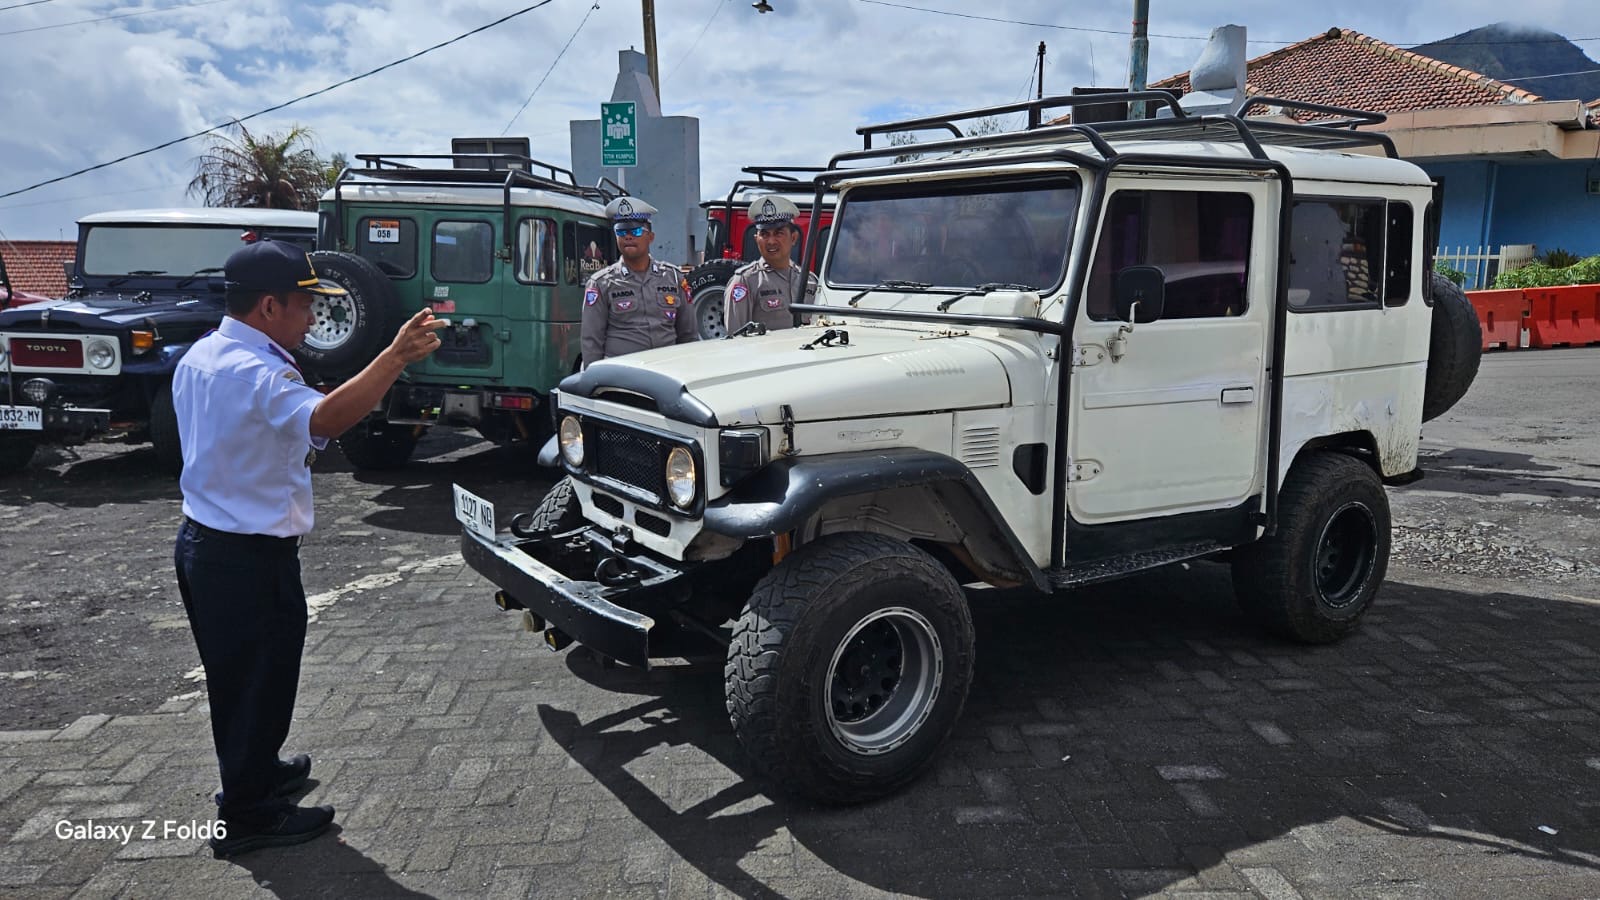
point(554, 577)
point(67, 422)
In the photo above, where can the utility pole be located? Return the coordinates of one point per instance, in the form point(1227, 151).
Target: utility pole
point(1139, 54)
point(650, 46)
point(1041, 70)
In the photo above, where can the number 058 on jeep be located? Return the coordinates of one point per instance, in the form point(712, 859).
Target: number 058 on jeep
point(1037, 360)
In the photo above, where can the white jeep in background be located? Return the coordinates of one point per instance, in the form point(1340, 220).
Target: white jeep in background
point(1037, 359)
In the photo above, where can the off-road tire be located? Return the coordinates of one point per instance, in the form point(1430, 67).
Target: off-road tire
point(785, 702)
point(1455, 347)
point(15, 452)
point(375, 445)
point(708, 283)
point(164, 432)
point(350, 331)
point(1317, 576)
point(558, 511)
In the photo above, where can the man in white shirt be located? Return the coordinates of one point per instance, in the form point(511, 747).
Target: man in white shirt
point(250, 428)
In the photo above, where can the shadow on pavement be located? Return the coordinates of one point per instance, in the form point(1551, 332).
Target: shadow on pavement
point(325, 867)
point(1129, 738)
point(1493, 472)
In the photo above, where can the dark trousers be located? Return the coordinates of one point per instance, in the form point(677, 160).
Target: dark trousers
point(247, 609)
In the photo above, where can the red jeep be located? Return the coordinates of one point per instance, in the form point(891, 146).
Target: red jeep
point(731, 216)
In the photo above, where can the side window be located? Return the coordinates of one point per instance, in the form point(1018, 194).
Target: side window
point(822, 243)
point(1199, 239)
point(716, 237)
point(536, 251)
point(390, 244)
point(463, 252)
point(747, 249)
point(587, 249)
point(1397, 254)
point(1336, 254)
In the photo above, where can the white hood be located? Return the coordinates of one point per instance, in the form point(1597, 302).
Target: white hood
point(882, 371)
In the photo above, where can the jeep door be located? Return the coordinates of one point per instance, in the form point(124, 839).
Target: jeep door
point(1177, 423)
point(464, 276)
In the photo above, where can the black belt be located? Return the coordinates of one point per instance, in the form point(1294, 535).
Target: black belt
point(271, 540)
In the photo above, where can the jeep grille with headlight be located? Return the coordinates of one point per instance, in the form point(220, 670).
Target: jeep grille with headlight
point(634, 459)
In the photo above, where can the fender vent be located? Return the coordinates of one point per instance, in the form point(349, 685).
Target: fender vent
point(980, 446)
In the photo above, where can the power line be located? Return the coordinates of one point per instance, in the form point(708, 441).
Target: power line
point(1536, 77)
point(143, 12)
point(500, 21)
point(551, 69)
point(1199, 37)
point(714, 13)
point(21, 5)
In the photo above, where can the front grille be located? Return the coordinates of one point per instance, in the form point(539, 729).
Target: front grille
point(611, 506)
point(650, 523)
point(637, 460)
point(47, 353)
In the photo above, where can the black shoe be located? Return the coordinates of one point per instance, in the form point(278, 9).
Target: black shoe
point(290, 825)
point(292, 775)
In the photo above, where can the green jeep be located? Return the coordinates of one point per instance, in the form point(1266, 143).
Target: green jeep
point(501, 245)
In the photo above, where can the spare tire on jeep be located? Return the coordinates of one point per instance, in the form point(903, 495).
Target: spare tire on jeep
point(351, 330)
point(707, 283)
point(1454, 349)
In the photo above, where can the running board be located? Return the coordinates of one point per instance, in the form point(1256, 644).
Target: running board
point(1118, 566)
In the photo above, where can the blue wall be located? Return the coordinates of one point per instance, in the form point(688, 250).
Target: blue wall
point(1541, 203)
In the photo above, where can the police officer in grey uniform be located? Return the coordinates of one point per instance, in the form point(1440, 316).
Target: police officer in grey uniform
point(763, 290)
point(636, 303)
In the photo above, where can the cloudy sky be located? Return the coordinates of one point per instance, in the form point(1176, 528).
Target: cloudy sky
point(786, 87)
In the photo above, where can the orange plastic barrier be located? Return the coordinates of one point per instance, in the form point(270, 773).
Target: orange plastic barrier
point(1564, 316)
point(1502, 316)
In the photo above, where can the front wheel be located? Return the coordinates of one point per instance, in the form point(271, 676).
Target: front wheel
point(1314, 579)
point(377, 445)
point(15, 452)
point(708, 284)
point(849, 667)
point(164, 432)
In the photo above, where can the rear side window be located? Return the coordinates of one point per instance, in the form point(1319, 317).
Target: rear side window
point(390, 244)
point(536, 251)
point(1199, 239)
point(1397, 253)
point(586, 249)
point(1336, 257)
point(463, 252)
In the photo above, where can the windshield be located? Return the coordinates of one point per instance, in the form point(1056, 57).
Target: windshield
point(954, 235)
point(174, 251)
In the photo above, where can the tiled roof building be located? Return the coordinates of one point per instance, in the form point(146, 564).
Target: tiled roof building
point(35, 266)
point(1346, 68)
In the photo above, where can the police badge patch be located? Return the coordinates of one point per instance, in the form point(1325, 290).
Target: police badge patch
point(623, 305)
point(671, 314)
point(774, 302)
point(591, 297)
point(738, 293)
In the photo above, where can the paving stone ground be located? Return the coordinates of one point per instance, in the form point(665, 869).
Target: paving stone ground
point(1134, 739)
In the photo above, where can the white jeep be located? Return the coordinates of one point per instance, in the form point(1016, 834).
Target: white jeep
point(1037, 359)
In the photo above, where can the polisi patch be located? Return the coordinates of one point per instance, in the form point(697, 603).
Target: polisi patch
point(738, 293)
point(591, 297)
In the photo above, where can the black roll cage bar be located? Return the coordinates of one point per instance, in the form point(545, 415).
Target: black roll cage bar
point(1336, 134)
point(394, 167)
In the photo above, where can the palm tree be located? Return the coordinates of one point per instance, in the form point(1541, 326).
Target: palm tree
point(274, 171)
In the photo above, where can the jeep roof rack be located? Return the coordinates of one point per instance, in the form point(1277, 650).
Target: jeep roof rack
point(1181, 125)
point(513, 171)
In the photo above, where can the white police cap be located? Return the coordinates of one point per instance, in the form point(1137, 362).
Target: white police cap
point(773, 211)
point(629, 209)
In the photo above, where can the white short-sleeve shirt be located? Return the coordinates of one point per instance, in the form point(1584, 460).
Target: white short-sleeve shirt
point(244, 423)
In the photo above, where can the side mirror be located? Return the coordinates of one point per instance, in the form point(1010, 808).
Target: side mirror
point(1140, 291)
point(69, 268)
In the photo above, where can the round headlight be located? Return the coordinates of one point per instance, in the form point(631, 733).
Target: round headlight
point(571, 439)
point(101, 354)
point(680, 478)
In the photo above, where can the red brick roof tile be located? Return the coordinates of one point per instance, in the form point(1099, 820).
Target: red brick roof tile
point(35, 266)
point(1346, 68)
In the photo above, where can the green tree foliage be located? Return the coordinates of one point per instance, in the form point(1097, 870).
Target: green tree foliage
point(1538, 274)
point(272, 171)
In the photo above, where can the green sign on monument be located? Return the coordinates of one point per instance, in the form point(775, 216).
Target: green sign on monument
point(619, 135)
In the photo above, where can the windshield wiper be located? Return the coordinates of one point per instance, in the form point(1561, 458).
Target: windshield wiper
point(892, 283)
point(124, 279)
point(185, 280)
point(989, 288)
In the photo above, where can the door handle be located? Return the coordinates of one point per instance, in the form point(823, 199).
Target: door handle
point(1239, 395)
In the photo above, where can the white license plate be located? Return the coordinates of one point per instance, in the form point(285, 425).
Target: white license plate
point(474, 512)
point(21, 418)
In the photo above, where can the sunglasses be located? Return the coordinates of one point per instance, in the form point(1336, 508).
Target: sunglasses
point(635, 231)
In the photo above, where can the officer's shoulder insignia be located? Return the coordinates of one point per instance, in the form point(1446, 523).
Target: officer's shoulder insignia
point(294, 375)
point(739, 292)
point(591, 297)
